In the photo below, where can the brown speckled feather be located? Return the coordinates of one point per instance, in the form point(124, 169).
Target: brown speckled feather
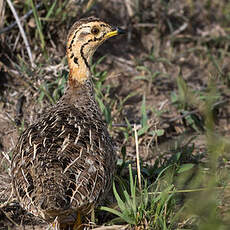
point(64, 162)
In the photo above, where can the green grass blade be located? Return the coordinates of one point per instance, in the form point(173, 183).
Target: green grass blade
point(51, 10)
point(132, 189)
point(39, 25)
point(121, 215)
point(120, 203)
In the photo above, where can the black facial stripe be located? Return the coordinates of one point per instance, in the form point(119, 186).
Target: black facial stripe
point(85, 44)
point(82, 53)
point(75, 60)
point(104, 25)
point(81, 27)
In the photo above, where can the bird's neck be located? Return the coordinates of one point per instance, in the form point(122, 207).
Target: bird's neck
point(79, 57)
point(80, 88)
point(79, 70)
point(79, 95)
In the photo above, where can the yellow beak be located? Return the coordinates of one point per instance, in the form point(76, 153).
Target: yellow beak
point(114, 33)
point(111, 34)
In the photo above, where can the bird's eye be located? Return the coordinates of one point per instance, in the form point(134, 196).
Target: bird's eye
point(95, 30)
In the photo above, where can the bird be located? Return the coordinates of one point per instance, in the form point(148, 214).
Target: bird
point(63, 164)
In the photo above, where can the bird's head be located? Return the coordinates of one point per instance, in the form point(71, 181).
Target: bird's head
point(84, 38)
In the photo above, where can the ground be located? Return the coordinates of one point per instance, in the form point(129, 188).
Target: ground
point(168, 76)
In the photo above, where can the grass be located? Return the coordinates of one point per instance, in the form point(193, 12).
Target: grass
point(175, 95)
point(53, 90)
point(142, 207)
point(181, 182)
point(102, 91)
point(38, 24)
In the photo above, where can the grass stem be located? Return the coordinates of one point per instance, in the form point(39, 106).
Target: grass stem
point(22, 32)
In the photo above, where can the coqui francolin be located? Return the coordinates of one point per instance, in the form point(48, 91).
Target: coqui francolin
point(63, 164)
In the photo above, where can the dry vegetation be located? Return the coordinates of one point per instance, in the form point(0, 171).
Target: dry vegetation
point(166, 83)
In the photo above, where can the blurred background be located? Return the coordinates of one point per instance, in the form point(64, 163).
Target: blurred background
point(163, 89)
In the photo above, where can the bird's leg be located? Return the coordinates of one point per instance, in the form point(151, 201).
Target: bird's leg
point(77, 224)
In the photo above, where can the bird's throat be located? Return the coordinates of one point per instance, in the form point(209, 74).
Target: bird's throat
point(79, 71)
